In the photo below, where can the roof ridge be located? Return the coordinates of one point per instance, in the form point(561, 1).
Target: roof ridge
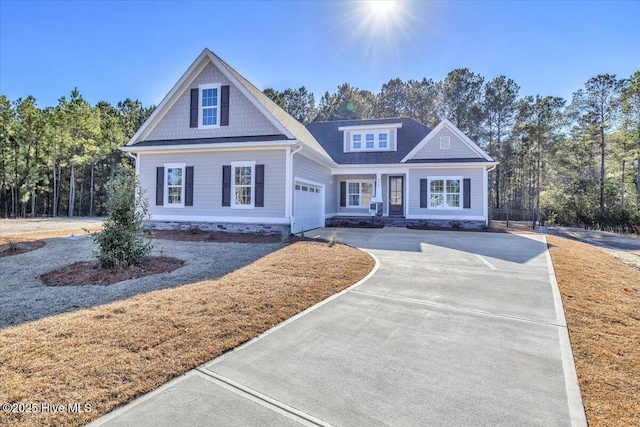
point(297, 129)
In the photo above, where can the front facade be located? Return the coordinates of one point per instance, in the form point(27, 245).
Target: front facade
point(219, 154)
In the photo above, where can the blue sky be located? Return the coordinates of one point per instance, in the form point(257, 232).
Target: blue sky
point(113, 50)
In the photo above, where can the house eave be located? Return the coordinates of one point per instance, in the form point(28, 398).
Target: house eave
point(261, 145)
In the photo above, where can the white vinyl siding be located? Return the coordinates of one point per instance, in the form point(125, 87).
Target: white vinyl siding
point(310, 170)
point(477, 202)
point(207, 182)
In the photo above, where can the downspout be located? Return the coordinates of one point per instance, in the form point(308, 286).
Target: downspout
point(290, 186)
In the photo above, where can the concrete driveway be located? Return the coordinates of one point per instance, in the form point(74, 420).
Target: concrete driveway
point(452, 329)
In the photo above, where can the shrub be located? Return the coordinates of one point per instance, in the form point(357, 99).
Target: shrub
point(12, 246)
point(456, 225)
point(121, 242)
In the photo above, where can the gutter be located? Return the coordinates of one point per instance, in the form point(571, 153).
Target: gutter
point(290, 187)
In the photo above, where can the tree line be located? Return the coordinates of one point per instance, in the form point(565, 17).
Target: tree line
point(57, 160)
point(575, 162)
point(571, 162)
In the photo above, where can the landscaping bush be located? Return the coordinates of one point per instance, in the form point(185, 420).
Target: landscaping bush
point(121, 242)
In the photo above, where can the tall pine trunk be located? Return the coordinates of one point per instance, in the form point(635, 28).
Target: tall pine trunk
point(72, 189)
point(622, 189)
point(33, 202)
point(91, 191)
point(81, 198)
point(602, 147)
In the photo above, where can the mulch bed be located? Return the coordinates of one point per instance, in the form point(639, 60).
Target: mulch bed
point(20, 247)
point(222, 237)
point(363, 224)
point(90, 273)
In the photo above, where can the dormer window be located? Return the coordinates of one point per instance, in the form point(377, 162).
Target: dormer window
point(373, 141)
point(209, 108)
point(370, 137)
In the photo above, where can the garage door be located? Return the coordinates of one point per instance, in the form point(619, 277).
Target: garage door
point(308, 211)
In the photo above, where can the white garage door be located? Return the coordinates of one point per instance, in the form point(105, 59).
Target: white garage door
point(308, 211)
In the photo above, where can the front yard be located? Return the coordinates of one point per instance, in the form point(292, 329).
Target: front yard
point(109, 354)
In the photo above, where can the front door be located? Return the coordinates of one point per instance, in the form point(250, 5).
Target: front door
point(396, 195)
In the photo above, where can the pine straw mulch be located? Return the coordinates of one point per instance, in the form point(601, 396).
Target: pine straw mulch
point(601, 298)
point(17, 248)
point(196, 235)
point(89, 272)
point(110, 354)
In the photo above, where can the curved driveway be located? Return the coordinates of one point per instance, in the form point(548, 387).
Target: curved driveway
point(453, 329)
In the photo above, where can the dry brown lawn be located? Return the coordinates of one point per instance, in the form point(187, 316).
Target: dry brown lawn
point(601, 298)
point(110, 354)
point(38, 235)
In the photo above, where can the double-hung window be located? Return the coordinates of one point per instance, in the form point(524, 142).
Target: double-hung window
point(369, 139)
point(174, 184)
point(242, 185)
point(209, 108)
point(382, 140)
point(444, 193)
point(360, 193)
point(357, 142)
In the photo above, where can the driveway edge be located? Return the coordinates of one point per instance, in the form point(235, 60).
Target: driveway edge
point(574, 397)
point(302, 313)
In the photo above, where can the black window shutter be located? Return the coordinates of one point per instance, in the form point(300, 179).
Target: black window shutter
point(343, 194)
point(226, 185)
point(194, 109)
point(259, 203)
point(224, 106)
point(188, 189)
point(423, 193)
point(466, 203)
point(159, 186)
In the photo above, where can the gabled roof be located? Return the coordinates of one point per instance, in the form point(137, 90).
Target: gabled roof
point(286, 124)
point(331, 138)
point(464, 138)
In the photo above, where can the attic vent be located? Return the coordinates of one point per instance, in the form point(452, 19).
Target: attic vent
point(445, 142)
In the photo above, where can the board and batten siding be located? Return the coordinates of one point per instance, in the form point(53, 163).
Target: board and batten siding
point(305, 168)
point(207, 187)
point(458, 149)
point(477, 194)
point(244, 118)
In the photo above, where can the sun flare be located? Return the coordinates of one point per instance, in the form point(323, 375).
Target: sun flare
point(381, 7)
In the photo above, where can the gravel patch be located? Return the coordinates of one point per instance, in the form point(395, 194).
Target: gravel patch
point(23, 297)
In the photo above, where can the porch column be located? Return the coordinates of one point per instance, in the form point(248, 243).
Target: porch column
point(378, 196)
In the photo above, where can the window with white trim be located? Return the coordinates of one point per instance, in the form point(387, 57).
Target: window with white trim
point(445, 192)
point(373, 141)
point(209, 107)
point(360, 193)
point(174, 174)
point(383, 140)
point(242, 185)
